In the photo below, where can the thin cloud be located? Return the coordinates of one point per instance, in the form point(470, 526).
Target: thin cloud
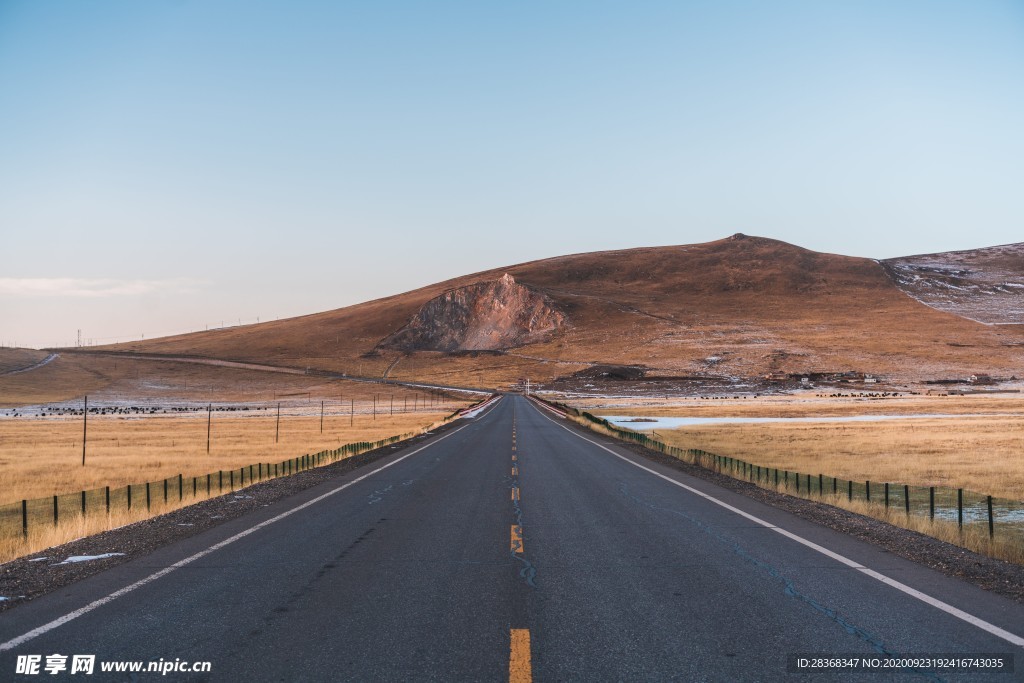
point(91, 287)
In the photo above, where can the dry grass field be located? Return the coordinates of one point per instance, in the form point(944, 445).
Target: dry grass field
point(982, 454)
point(43, 456)
point(982, 449)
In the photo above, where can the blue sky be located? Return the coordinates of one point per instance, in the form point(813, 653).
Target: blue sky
point(171, 165)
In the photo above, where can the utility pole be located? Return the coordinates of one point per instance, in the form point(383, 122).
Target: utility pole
point(375, 407)
point(321, 417)
point(209, 419)
point(277, 429)
point(85, 425)
point(352, 415)
point(392, 405)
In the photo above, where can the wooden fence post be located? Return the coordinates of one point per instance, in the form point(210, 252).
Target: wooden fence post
point(991, 521)
point(960, 508)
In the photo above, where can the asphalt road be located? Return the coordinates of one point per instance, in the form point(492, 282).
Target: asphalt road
point(516, 546)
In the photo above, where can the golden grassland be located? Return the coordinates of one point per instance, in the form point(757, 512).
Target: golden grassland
point(982, 449)
point(43, 456)
point(983, 454)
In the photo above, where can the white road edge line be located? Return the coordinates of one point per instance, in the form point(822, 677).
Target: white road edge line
point(70, 616)
point(913, 592)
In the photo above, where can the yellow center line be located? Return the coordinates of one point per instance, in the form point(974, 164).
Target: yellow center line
point(515, 494)
point(519, 667)
point(513, 458)
point(517, 538)
point(515, 471)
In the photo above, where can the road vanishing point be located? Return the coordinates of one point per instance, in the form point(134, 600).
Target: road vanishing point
point(516, 546)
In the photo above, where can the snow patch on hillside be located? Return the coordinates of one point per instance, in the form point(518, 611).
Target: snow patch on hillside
point(985, 285)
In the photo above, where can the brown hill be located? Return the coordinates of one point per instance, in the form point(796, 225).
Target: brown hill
point(742, 306)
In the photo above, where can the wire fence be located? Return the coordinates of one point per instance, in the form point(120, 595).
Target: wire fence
point(975, 514)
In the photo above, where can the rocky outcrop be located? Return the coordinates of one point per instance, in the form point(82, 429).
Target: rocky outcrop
point(485, 316)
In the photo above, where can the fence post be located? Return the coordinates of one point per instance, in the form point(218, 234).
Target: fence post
point(991, 522)
point(207, 484)
point(147, 497)
point(960, 508)
point(931, 502)
point(231, 478)
point(821, 484)
point(886, 494)
point(55, 510)
point(849, 486)
point(798, 483)
point(220, 481)
point(776, 476)
point(906, 498)
point(195, 486)
point(165, 491)
point(24, 517)
point(129, 497)
point(867, 490)
point(108, 499)
point(180, 492)
point(83, 503)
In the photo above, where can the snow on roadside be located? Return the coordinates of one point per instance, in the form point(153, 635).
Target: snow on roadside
point(88, 558)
